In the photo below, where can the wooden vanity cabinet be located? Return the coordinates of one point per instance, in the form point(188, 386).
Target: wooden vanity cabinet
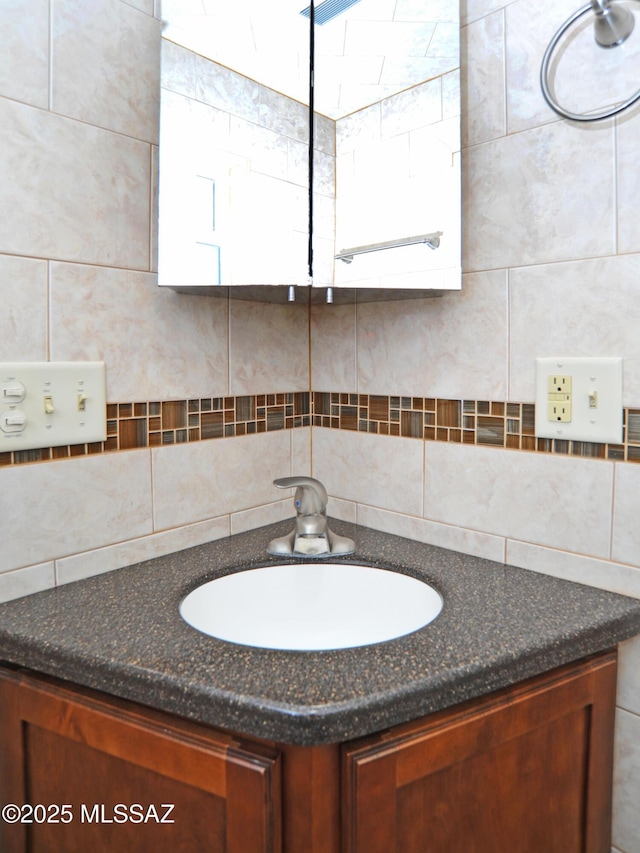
point(526, 769)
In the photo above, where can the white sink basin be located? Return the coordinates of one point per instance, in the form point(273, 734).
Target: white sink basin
point(311, 606)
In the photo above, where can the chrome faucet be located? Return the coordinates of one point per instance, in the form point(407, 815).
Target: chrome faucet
point(311, 537)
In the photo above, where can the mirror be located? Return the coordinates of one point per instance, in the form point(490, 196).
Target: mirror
point(234, 145)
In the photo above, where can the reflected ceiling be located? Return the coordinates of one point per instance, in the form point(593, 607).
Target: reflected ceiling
point(372, 50)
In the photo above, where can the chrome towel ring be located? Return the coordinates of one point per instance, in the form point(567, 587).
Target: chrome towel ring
point(613, 26)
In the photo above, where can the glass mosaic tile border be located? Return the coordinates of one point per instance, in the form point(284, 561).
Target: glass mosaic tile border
point(480, 422)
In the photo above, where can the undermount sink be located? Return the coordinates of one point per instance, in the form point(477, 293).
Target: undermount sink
point(311, 606)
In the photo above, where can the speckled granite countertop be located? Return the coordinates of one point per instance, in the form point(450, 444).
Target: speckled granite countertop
point(121, 633)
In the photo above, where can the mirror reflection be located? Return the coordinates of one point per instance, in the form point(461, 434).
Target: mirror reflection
point(234, 143)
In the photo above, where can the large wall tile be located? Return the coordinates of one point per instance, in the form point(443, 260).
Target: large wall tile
point(269, 347)
point(206, 479)
point(24, 59)
point(157, 344)
point(546, 500)
point(23, 320)
point(626, 782)
point(524, 198)
point(432, 346)
point(107, 75)
point(301, 450)
point(599, 316)
point(628, 180)
point(578, 74)
point(74, 505)
point(483, 85)
point(333, 348)
point(370, 469)
point(75, 192)
point(626, 511)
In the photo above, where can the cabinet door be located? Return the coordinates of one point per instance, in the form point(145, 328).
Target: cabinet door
point(525, 771)
point(117, 768)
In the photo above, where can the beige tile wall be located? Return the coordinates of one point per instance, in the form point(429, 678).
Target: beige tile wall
point(550, 253)
point(79, 105)
point(551, 233)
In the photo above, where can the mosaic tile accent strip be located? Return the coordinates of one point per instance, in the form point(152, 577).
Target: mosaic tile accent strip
point(152, 424)
point(480, 422)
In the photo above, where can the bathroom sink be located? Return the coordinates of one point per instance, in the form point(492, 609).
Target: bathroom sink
point(311, 606)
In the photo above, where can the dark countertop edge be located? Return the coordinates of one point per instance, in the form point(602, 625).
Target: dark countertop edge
point(312, 724)
point(319, 724)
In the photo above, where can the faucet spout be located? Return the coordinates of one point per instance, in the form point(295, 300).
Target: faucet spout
point(311, 537)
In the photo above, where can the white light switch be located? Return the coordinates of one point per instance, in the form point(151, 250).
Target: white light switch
point(49, 404)
point(579, 399)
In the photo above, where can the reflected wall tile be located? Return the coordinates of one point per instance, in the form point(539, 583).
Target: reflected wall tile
point(333, 348)
point(600, 317)
point(282, 114)
point(23, 319)
point(523, 198)
point(107, 75)
point(537, 505)
point(207, 479)
point(178, 69)
point(268, 347)
point(157, 344)
point(24, 59)
point(75, 192)
point(472, 10)
point(370, 469)
point(398, 113)
point(483, 84)
point(433, 345)
point(626, 782)
point(112, 557)
point(74, 505)
point(222, 88)
point(325, 134)
point(26, 581)
point(626, 511)
point(357, 129)
point(266, 151)
point(628, 181)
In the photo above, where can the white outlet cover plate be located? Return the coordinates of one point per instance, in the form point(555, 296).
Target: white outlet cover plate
point(602, 424)
point(62, 382)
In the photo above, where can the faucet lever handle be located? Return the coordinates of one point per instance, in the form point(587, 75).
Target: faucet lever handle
point(310, 497)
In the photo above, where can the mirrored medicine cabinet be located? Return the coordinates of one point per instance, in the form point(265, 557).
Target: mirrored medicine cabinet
point(235, 211)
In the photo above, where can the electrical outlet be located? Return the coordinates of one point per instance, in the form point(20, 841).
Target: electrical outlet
point(560, 412)
point(579, 399)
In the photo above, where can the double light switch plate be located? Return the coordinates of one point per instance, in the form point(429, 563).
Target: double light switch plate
point(48, 404)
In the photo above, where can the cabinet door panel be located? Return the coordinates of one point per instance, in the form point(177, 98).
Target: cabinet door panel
point(116, 765)
point(528, 769)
